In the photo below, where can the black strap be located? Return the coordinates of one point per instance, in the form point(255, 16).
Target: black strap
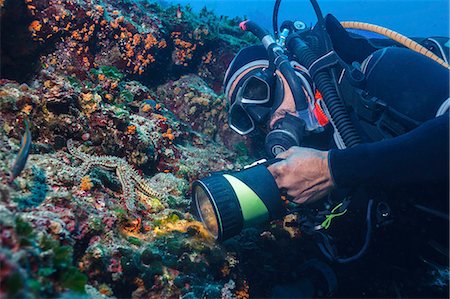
point(395, 123)
point(389, 121)
point(331, 59)
point(326, 61)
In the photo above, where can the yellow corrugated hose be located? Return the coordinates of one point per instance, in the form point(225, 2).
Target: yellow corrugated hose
point(407, 42)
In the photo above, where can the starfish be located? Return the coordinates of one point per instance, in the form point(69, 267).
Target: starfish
point(129, 178)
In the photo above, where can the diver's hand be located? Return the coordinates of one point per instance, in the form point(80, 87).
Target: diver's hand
point(304, 174)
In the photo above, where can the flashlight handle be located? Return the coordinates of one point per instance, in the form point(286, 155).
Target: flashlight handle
point(263, 162)
point(272, 161)
point(283, 191)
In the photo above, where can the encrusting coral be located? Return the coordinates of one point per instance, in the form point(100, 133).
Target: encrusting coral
point(138, 37)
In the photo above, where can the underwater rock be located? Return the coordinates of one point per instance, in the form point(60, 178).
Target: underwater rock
point(196, 104)
point(19, 53)
point(85, 221)
point(149, 255)
point(125, 112)
point(141, 39)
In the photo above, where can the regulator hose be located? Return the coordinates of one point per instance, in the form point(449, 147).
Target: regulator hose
point(275, 18)
point(295, 84)
point(401, 39)
point(324, 83)
point(254, 28)
point(280, 60)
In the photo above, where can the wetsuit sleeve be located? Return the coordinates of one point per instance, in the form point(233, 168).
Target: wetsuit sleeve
point(418, 157)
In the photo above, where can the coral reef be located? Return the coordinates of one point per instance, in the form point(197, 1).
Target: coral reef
point(195, 103)
point(125, 111)
point(138, 37)
point(103, 222)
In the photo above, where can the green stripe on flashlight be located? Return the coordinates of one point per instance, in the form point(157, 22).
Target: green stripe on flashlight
point(253, 209)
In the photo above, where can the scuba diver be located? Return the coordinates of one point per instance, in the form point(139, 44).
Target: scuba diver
point(418, 159)
point(357, 126)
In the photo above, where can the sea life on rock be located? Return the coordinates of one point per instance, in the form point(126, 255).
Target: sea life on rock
point(130, 180)
point(132, 91)
point(86, 183)
point(38, 192)
point(126, 106)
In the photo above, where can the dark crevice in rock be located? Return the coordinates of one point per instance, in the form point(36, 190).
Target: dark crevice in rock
point(19, 53)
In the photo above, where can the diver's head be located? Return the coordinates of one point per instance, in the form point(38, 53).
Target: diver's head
point(262, 96)
point(248, 88)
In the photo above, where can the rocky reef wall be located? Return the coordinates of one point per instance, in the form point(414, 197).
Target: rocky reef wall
point(124, 109)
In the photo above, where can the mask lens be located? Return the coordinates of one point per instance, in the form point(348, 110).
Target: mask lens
point(206, 211)
point(256, 90)
point(240, 120)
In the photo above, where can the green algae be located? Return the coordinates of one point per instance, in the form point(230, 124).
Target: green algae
point(96, 223)
point(15, 283)
point(126, 96)
point(74, 82)
point(23, 228)
point(74, 280)
point(55, 263)
point(104, 178)
point(173, 218)
point(46, 271)
point(60, 265)
point(110, 72)
point(241, 149)
point(38, 192)
point(134, 241)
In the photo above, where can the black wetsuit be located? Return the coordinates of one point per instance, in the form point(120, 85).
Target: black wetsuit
point(418, 158)
point(416, 86)
point(411, 84)
point(413, 169)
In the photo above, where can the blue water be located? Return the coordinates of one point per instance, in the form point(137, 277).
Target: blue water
point(411, 18)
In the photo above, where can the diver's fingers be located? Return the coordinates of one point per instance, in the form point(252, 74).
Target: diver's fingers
point(289, 152)
point(278, 169)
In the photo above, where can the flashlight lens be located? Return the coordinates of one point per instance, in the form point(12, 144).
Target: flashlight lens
point(206, 211)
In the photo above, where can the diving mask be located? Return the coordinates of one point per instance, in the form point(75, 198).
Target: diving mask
point(260, 95)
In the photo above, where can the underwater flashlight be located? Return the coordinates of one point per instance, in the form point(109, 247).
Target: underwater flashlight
point(229, 202)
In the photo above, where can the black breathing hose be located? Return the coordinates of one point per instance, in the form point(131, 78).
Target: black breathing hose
point(321, 23)
point(280, 60)
point(324, 83)
point(254, 28)
point(317, 10)
point(295, 84)
point(275, 18)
